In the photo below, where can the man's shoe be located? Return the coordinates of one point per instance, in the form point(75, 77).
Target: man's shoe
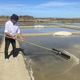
point(6, 59)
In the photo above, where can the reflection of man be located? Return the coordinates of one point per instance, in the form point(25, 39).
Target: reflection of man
point(11, 31)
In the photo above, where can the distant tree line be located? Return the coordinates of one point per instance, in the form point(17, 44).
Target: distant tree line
point(30, 20)
point(61, 20)
point(23, 20)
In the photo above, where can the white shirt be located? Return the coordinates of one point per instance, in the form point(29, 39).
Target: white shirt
point(12, 29)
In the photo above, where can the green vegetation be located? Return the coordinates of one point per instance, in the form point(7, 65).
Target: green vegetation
point(30, 20)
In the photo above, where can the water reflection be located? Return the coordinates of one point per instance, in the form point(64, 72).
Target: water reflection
point(42, 30)
point(45, 30)
point(49, 67)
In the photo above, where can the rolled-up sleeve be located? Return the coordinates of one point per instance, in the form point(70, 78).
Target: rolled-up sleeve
point(6, 27)
point(18, 30)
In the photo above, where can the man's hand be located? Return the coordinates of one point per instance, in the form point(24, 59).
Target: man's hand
point(20, 37)
point(10, 36)
point(14, 37)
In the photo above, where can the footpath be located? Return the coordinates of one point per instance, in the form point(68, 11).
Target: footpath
point(14, 68)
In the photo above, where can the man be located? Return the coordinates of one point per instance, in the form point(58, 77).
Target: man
point(11, 31)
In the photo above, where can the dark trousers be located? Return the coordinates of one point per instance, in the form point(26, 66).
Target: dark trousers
point(7, 43)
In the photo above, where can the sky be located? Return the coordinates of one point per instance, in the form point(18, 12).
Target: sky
point(41, 8)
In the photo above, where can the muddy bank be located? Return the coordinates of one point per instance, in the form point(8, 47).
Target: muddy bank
point(14, 68)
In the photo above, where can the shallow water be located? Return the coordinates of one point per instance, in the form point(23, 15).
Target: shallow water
point(42, 30)
point(48, 66)
point(46, 30)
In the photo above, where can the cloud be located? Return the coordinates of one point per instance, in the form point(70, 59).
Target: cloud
point(8, 9)
point(50, 4)
point(51, 8)
point(10, 6)
point(53, 4)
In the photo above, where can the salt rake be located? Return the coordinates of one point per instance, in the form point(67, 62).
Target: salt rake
point(56, 51)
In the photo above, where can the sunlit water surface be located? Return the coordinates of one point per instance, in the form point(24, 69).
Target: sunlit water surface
point(47, 65)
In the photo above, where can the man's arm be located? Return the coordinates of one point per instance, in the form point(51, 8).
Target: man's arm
point(9, 35)
point(6, 31)
point(19, 36)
